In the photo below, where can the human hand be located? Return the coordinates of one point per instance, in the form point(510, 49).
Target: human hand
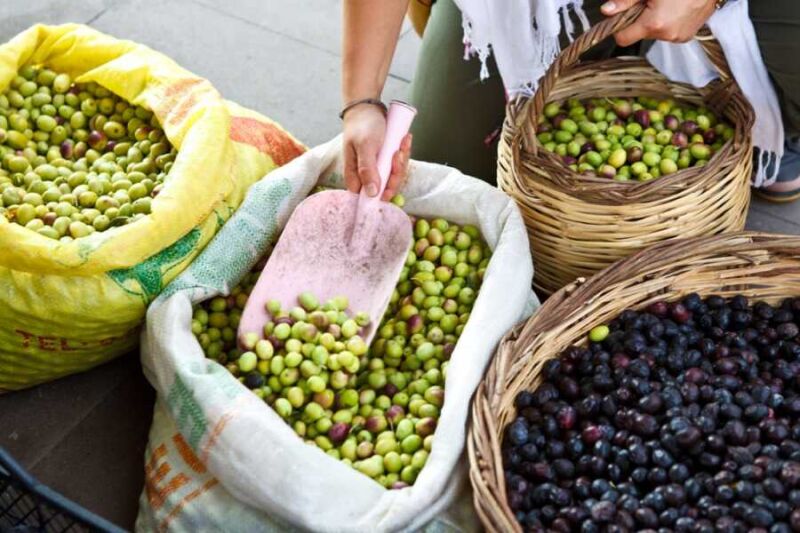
point(675, 21)
point(364, 130)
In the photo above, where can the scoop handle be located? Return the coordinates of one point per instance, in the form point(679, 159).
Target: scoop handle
point(398, 122)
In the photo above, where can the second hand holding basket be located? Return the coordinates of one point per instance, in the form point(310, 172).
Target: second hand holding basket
point(580, 224)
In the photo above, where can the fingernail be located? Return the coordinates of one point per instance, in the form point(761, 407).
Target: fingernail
point(608, 6)
point(372, 190)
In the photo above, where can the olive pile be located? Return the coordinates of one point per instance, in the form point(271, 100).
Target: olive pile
point(74, 158)
point(683, 417)
point(375, 408)
point(631, 139)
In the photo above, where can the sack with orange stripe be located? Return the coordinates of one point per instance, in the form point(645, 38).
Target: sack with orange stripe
point(68, 305)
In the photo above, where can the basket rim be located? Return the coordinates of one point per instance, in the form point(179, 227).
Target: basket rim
point(612, 192)
point(491, 400)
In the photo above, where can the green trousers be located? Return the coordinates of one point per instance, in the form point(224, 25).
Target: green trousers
point(460, 115)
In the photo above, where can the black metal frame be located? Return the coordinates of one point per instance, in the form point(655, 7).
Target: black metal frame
point(27, 506)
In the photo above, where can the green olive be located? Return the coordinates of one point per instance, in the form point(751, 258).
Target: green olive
point(370, 407)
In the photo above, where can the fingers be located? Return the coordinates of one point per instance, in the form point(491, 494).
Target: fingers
point(399, 172)
point(617, 6)
point(634, 33)
point(351, 180)
point(367, 167)
point(663, 20)
point(364, 128)
point(405, 145)
point(396, 178)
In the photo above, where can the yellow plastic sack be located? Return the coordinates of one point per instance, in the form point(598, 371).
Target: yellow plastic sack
point(65, 307)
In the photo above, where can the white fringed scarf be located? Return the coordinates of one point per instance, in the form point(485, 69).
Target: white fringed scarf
point(523, 36)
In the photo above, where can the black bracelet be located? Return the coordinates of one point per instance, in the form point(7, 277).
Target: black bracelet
point(372, 101)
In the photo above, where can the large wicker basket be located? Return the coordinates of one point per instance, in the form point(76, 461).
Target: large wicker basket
point(579, 224)
point(764, 267)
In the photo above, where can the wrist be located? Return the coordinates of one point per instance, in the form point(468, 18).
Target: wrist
point(359, 105)
point(359, 86)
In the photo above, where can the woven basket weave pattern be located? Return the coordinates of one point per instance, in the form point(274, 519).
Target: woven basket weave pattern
point(579, 224)
point(760, 266)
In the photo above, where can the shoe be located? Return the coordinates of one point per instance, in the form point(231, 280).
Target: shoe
point(787, 186)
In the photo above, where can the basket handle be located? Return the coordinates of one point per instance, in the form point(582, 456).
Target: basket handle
point(597, 33)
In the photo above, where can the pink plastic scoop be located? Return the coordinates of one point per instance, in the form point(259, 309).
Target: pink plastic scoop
point(338, 243)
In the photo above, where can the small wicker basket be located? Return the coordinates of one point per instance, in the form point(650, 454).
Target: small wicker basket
point(760, 266)
point(579, 224)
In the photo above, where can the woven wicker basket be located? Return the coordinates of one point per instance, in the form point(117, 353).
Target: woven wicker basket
point(761, 266)
point(579, 224)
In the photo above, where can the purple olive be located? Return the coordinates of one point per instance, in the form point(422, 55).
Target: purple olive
point(591, 434)
point(607, 171)
point(276, 343)
point(642, 117)
point(60, 120)
point(566, 417)
point(390, 389)
point(558, 119)
point(397, 485)
point(80, 150)
point(660, 309)
point(415, 324)
point(620, 360)
point(679, 313)
point(376, 424)
point(395, 414)
point(435, 395)
point(338, 432)
point(49, 218)
point(587, 147)
point(671, 122)
point(569, 160)
point(619, 122)
point(544, 127)
point(66, 149)
point(110, 146)
point(97, 140)
point(284, 320)
point(623, 109)
point(695, 375)
point(689, 127)
point(425, 427)
point(320, 320)
point(448, 350)
point(680, 139)
point(709, 136)
point(634, 154)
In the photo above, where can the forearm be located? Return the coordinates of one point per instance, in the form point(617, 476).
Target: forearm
point(371, 31)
